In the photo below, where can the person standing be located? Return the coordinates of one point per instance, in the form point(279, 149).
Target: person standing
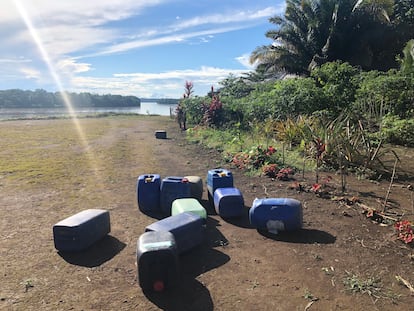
point(181, 117)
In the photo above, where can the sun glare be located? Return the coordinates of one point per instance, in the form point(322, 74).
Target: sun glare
point(34, 34)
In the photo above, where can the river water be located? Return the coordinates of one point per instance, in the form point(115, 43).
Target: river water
point(152, 108)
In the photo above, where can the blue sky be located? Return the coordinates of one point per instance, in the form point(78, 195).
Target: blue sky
point(129, 47)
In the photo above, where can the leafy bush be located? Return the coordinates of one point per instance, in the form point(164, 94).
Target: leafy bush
point(270, 170)
point(298, 96)
point(382, 93)
point(398, 131)
point(194, 108)
point(339, 82)
point(259, 105)
point(255, 158)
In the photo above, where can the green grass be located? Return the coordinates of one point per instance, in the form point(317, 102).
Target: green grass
point(370, 286)
point(54, 154)
point(230, 142)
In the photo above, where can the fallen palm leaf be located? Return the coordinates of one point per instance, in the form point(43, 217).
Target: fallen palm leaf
point(405, 283)
point(309, 305)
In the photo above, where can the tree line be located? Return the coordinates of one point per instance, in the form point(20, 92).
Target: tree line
point(16, 98)
point(368, 34)
point(344, 61)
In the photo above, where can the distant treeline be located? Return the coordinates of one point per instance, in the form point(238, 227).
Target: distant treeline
point(40, 98)
point(166, 101)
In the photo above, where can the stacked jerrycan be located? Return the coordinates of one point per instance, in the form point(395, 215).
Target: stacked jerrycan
point(181, 229)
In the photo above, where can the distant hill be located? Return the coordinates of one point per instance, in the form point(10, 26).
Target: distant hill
point(16, 98)
point(167, 101)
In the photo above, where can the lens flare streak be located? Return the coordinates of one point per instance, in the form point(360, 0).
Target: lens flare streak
point(39, 44)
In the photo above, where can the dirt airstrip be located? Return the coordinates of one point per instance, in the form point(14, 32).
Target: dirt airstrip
point(51, 169)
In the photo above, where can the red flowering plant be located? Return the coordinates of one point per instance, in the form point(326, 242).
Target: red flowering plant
point(285, 174)
point(241, 160)
point(212, 112)
point(273, 171)
point(270, 170)
point(257, 158)
point(318, 188)
point(405, 231)
point(260, 156)
point(320, 149)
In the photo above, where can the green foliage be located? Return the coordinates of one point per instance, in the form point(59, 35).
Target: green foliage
point(382, 93)
point(407, 62)
point(339, 82)
point(297, 96)
point(370, 286)
point(398, 131)
point(403, 19)
point(337, 110)
point(366, 33)
point(282, 99)
point(235, 87)
point(16, 98)
point(258, 105)
point(194, 108)
point(290, 131)
point(301, 35)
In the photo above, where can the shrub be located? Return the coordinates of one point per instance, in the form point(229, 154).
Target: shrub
point(285, 174)
point(254, 159)
point(294, 97)
point(338, 81)
point(381, 93)
point(194, 108)
point(398, 131)
point(270, 170)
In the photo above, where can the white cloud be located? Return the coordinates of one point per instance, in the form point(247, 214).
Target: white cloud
point(14, 60)
point(228, 17)
point(245, 61)
point(76, 29)
point(169, 83)
point(70, 65)
point(67, 27)
point(187, 29)
point(92, 12)
point(31, 73)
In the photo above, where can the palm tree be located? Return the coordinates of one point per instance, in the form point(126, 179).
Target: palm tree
point(379, 9)
point(407, 62)
point(300, 38)
point(313, 32)
point(363, 35)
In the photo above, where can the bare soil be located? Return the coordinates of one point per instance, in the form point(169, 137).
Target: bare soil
point(341, 260)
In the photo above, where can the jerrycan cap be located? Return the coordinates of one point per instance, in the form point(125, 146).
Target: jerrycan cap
point(158, 286)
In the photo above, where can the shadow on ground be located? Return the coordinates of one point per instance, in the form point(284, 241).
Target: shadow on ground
point(97, 254)
point(191, 294)
point(303, 236)
point(242, 221)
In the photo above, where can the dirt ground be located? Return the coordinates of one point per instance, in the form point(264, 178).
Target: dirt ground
point(340, 260)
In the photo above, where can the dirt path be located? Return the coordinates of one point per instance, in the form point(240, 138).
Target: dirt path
point(46, 174)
